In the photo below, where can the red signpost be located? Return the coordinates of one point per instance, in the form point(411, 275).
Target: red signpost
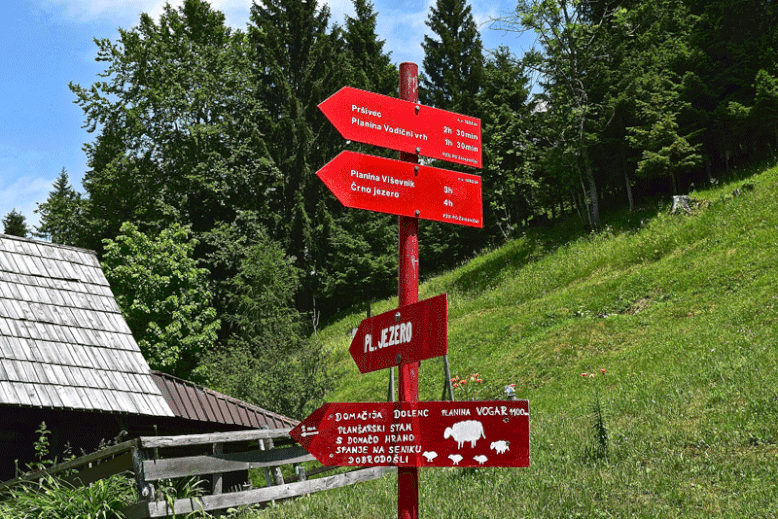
point(404, 188)
point(410, 434)
point(408, 334)
point(408, 293)
point(405, 125)
point(419, 434)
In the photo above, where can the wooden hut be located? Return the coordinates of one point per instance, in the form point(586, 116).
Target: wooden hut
point(68, 358)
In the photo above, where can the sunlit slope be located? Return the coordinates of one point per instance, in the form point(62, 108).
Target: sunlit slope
point(681, 313)
point(539, 310)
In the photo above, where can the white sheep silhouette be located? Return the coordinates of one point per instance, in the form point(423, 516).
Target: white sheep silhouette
point(430, 455)
point(480, 459)
point(456, 458)
point(500, 446)
point(467, 431)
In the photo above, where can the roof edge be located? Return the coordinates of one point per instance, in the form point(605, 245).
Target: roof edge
point(51, 244)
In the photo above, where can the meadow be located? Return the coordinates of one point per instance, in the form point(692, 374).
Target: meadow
point(647, 352)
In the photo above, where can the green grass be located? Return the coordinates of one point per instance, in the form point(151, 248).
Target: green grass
point(681, 311)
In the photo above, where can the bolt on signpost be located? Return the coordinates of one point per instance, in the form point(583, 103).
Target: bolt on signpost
point(410, 434)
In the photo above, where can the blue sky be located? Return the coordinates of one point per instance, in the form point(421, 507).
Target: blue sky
point(46, 44)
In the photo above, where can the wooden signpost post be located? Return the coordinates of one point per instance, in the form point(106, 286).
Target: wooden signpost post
point(410, 434)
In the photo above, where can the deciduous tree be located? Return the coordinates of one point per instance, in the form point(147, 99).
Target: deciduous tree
point(163, 295)
point(179, 129)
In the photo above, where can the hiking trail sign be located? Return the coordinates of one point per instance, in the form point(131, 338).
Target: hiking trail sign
point(403, 188)
point(409, 434)
point(406, 126)
point(419, 434)
point(411, 333)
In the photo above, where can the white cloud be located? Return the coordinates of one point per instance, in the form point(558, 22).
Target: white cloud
point(126, 12)
point(404, 31)
point(21, 184)
point(22, 194)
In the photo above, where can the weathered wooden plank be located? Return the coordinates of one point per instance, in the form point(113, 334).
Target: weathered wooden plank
point(32, 395)
point(251, 497)
point(200, 439)
point(217, 487)
point(312, 472)
point(78, 462)
point(220, 463)
point(106, 469)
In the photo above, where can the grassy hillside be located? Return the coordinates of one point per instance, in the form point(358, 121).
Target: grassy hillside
point(681, 313)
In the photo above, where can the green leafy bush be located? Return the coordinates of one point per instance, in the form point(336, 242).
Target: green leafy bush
point(53, 498)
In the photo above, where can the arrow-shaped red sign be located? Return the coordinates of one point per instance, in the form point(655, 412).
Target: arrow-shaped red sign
point(404, 188)
point(408, 334)
point(405, 126)
point(419, 434)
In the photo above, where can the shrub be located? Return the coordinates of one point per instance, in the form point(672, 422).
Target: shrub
point(53, 498)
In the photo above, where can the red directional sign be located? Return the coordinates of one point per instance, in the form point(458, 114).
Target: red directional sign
point(419, 434)
point(404, 188)
point(405, 126)
point(408, 334)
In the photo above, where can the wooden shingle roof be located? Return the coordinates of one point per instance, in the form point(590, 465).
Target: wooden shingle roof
point(63, 341)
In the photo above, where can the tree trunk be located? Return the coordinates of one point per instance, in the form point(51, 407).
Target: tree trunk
point(586, 202)
point(629, 192)
point(576, 205)
point(595, 205)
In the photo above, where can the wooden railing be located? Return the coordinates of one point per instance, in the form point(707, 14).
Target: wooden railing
point(217, 459)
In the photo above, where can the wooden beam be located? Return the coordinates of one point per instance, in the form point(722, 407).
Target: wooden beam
point(219, 463)
point(149, 442)
point(218, 449)
point(106, 469)
point(78, 462)
point(255, 496)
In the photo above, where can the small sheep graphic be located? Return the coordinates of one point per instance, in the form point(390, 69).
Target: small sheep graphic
point(456, 458)
point(481, 459)
point(430, 455)
point(500, 446)
point(467, 431)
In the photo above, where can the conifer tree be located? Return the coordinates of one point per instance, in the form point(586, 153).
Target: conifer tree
point(453, 63)
point(61, 214)
point(15, 224)
point(298, 64)
point(372, 68)
point(451, 79)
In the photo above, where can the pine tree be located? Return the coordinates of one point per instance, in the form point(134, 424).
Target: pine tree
point(372, 68)
point(453, 63)
point(61, 214)
point(15, 224)
point(451, 79)
point(298, 64)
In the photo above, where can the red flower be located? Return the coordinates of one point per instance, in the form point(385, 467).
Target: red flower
point(602, 371)
point(583, 374)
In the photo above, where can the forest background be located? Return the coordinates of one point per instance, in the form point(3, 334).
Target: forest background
point(226, 253)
